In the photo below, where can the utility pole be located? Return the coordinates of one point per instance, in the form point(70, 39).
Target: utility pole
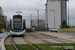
point(54, 17)
point(68, 13)
point(6, 25)
point(31, 19)
point(38, 18)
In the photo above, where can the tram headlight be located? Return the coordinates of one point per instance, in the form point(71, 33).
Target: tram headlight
point(17, 30)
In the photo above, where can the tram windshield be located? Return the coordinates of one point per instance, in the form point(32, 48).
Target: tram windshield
point(17, 22)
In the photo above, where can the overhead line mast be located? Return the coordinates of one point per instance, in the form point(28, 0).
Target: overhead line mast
point(36, 7)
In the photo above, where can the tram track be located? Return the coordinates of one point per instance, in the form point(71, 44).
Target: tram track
point(54, 38)
point(15, 45)
point(49, 42)
point(29, 37)
point(30, 44)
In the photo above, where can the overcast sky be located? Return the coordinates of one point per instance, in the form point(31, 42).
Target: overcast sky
point(72, 12)
point(27, 7)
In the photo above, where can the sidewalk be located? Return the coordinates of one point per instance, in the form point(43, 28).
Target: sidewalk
point(59, 35)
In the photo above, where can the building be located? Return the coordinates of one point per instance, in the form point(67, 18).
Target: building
point(34, 23)
point(3, 20)
point(56, 13)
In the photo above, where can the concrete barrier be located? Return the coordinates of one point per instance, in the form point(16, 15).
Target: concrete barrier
point(2, 43)
point(66, 29)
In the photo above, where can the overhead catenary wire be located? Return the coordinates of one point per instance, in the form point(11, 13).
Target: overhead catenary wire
point(36, 7)
point(17, 5)
point(18, 8)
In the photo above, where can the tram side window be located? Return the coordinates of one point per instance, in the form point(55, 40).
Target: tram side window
point(24, 25)
point(10, 25)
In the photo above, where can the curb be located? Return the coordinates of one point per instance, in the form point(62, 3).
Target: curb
point(2, 43)
point(58, 37)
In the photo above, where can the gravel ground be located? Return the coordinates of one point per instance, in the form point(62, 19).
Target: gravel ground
point(68, 33)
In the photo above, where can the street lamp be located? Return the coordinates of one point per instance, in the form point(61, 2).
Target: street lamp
point(68, 12)
point(31, 21)
point(54, 17)
point(38, 18)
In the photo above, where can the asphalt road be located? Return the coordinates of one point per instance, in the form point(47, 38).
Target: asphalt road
point(69, 33)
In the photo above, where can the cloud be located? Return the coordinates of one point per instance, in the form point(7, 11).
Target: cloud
point(27, 7)
point(71, 12)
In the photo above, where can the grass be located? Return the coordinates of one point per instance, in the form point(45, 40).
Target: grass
point(71, 46)
point(25, 47)
point(21, 47)
point(42, 46)
point(9, 47)
point(47, 47)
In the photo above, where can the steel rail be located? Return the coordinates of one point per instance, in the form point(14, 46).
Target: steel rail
point(30, 44)
point(49, 42)
point(14, 44)
point(55, 38)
